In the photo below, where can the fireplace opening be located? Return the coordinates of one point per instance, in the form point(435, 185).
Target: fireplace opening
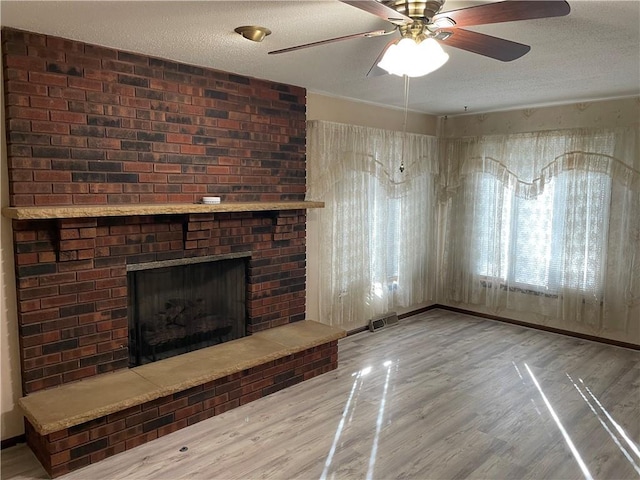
point(178, 308)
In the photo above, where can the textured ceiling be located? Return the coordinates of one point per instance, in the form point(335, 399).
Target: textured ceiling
point(593, 53)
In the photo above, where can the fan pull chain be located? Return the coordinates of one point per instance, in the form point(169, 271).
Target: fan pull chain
point(404, 122)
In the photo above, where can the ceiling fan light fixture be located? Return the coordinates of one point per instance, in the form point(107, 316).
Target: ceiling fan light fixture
point(253, 32)
point(407, 57)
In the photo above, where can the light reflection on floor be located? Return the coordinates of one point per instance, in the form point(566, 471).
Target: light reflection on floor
point(591, 404)
point(374, 449)
point(350, 410)
point(534, 386)
point(565, 434)
point(606, 427)
point(358, 380)
point(620, 430)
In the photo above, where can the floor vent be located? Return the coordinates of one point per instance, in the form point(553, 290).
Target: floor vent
point(386, 320)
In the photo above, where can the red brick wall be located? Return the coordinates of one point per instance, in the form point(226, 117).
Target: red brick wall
point(91, 125)
point(72, 281)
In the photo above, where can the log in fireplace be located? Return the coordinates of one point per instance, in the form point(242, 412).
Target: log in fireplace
point(183, 305)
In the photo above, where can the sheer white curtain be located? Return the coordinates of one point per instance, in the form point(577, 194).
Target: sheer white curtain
point(372, 248)
point(547, 224)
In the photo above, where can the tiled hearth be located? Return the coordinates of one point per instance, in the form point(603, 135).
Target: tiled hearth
point(138, 141)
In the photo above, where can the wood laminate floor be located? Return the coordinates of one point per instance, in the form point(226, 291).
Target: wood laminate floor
point(440, 396)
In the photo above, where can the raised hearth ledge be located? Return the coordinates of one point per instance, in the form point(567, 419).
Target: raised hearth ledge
point(75, 403)
point(92, 211)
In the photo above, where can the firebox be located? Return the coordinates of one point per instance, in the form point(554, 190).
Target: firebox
point(178, 306)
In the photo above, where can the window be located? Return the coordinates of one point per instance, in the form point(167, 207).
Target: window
point(384, 243)
point(550, 241)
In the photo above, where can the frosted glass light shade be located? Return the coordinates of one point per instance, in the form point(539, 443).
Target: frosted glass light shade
point(413, 59)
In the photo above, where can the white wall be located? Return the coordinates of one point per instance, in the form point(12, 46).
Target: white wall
point(610, 113)
point(340, 110)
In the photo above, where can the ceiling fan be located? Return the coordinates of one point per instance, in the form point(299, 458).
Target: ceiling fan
point(421, 19)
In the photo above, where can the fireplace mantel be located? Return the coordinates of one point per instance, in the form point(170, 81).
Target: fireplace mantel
point(94, 211)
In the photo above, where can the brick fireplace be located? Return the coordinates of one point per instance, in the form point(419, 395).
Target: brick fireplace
point(89, 126)
point(72, 311)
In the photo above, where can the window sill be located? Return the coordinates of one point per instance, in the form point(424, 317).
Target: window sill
point(519, 289)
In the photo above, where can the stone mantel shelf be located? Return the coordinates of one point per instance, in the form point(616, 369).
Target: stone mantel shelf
point(92, 211)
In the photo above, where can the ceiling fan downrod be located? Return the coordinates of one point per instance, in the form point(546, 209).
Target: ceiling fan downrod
point(417, 31)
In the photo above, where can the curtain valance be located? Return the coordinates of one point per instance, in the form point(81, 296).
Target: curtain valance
point(376, 152)
point(511, 158)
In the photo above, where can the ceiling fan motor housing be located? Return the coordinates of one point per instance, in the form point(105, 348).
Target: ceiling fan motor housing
point(417, 9)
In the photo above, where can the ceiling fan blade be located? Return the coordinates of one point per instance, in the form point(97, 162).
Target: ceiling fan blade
point(493, 47)
point(374, 33)
point(507, 11)
point(380, 10)
point(375, 70)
